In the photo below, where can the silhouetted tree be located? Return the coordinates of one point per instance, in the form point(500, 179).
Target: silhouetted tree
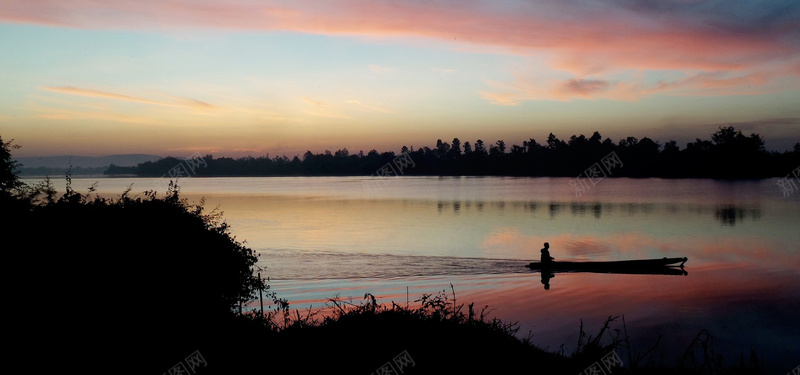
point(455, 148)
point(628, 142)
point(553, 143)
point(671, 147)
point(595, 139)
point(443, 148)
point(480, 149)
point(494, 151)
point(501, 146)
point(343, 153)
point(9, 181)
point(468, 148)
point(530, 145)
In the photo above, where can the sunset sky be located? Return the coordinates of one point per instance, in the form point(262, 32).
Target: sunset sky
point(239, 77)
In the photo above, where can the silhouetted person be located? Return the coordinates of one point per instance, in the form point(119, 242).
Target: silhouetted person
point(546, 258)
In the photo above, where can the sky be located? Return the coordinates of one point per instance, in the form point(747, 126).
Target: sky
point(251, 77)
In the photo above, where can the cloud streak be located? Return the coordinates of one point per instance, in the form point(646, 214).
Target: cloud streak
point(322, 109)
point(176, 101)
point(718, 83)
point(367, 106)
point(379, 69)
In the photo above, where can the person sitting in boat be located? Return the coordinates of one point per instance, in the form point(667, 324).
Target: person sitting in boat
point(546, 258)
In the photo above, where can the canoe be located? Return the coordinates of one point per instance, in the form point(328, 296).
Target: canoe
point(620, 266)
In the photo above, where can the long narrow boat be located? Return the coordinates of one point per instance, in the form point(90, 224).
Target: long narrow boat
point(620, 266)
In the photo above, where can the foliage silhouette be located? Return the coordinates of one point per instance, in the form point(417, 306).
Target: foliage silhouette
point(130, 284)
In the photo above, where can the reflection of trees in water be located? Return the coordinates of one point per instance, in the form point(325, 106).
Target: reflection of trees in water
point(554, 208)
point(728, 215)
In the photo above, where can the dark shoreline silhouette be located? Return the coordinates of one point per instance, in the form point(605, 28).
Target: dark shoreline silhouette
point(728, 155)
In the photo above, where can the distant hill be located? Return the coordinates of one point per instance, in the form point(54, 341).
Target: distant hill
point(81, 165)
point(64, 161)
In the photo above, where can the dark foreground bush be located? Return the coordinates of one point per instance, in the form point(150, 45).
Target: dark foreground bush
point(435, 337)
point(131, 283)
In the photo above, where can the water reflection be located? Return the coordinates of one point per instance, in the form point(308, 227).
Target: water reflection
point(547, 274)
point(727, 215)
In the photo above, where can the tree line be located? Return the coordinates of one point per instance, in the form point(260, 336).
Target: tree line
point(728, 154)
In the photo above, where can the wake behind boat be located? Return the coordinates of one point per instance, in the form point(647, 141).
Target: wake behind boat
point(621, 266)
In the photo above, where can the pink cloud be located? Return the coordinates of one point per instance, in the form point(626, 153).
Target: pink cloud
point(588, 40)
point(586, 36)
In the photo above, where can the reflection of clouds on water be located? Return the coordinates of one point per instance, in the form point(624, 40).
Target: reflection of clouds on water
point(586, 247)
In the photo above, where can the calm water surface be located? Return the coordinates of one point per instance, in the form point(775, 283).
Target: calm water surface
point(319, 237)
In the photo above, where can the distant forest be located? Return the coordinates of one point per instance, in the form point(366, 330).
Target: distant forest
point(53, 171)
point(729, 154)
